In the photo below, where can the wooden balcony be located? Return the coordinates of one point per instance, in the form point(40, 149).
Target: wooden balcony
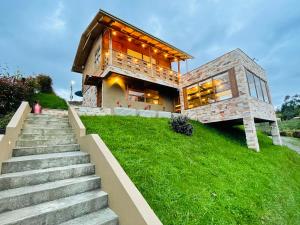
point(133, 65)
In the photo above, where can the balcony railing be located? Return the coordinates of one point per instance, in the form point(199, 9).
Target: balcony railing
point(136, 65)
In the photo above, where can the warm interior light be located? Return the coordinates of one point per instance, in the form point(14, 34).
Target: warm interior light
point(114, 33)
point(149, 94)
point(171, 72)
point(160, 68)
point(143, 45)
point(189, 97)
point(166, 55)
point(175, 59)
point(198, 94)
point(129, 39)
point(106, 53)
point(155, 50)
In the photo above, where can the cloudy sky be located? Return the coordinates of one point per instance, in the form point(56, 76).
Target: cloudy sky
point(42, 36)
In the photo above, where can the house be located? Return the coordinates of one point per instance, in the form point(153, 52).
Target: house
point(123, 66)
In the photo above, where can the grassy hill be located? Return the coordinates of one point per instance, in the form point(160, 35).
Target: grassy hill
point(51, 101)
point(208, 178)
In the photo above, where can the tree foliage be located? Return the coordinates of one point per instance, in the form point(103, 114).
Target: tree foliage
point(291, 107)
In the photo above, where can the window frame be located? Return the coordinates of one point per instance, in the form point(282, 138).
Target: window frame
point(261, 80)
point(185, 94)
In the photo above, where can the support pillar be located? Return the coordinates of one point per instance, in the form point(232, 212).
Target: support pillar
point(110, 47)
point(275, 133)
point(250, 131)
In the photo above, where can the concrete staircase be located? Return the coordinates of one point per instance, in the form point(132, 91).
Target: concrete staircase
point(49, 180)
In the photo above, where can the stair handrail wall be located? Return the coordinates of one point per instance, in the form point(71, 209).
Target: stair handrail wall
point(13, 129)
point(124, 198)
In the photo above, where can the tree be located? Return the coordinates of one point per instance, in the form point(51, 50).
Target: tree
point(44, 83)
point(291, 107)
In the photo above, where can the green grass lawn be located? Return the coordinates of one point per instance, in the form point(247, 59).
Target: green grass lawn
point(208, 178)
point(51, 101)
point(293, 124)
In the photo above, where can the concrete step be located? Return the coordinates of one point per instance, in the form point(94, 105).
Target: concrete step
point(43, 161)
point(45, 142)
point(53, 126)
point(101, 217)
point(54, 119)
point(57, 211)
point(32, 115)
point(46, 123)
point(17, 198)
point(38, 136)
point(47, 130)
point(34, 177)
point(23, 151)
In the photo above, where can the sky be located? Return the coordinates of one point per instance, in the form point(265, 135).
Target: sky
point(42, 36)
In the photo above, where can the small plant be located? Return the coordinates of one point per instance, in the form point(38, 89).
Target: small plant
point(180, 125)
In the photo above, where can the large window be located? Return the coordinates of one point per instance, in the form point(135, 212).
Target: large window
point(149, 96)
point(257, 87)
point(211, 90)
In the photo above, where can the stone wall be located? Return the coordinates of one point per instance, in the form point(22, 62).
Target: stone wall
point(89, 96)
point(243, 107)
point(234, 108)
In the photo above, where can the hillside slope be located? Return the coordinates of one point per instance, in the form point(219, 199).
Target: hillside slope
point(209, 178)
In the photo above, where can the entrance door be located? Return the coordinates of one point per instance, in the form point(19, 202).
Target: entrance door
point(99, 95)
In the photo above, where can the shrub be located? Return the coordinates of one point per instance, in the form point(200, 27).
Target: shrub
point(296, 134)
point(44, 83)
point(180, 125)
point(12, 92)
point(287, 133)
point(4, 120)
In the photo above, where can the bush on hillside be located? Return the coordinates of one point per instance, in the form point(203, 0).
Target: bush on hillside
point(13, 91)
point(44, 83)
point(180, 125)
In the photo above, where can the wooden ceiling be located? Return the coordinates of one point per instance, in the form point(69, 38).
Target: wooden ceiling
point(105, 20)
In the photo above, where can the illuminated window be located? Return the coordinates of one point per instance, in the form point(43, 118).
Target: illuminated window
point(134, 54)
point(222, 87)
point(193, 96)
point(207, 92)
point(149, 96)
point(211, 90)
point(152, 97)
point(136, 96)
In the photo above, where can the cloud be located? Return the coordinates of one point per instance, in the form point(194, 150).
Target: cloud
point(55, 22)
point(155, 26)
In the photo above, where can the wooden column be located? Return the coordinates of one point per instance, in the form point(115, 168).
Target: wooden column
point(178, 70)
point(150, 54)
point(110, 47)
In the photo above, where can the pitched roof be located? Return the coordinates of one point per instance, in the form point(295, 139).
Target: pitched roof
point(105, 20)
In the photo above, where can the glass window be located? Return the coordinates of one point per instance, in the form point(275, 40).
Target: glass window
point(258, 85)
point(265, 91)
point(258, 88)
point(134, 54)
point(251, 84)
point(193, 96)
point(152, 97)
point(97, 56)
point(135, 95)
point(207, 92)
point(222, 86)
